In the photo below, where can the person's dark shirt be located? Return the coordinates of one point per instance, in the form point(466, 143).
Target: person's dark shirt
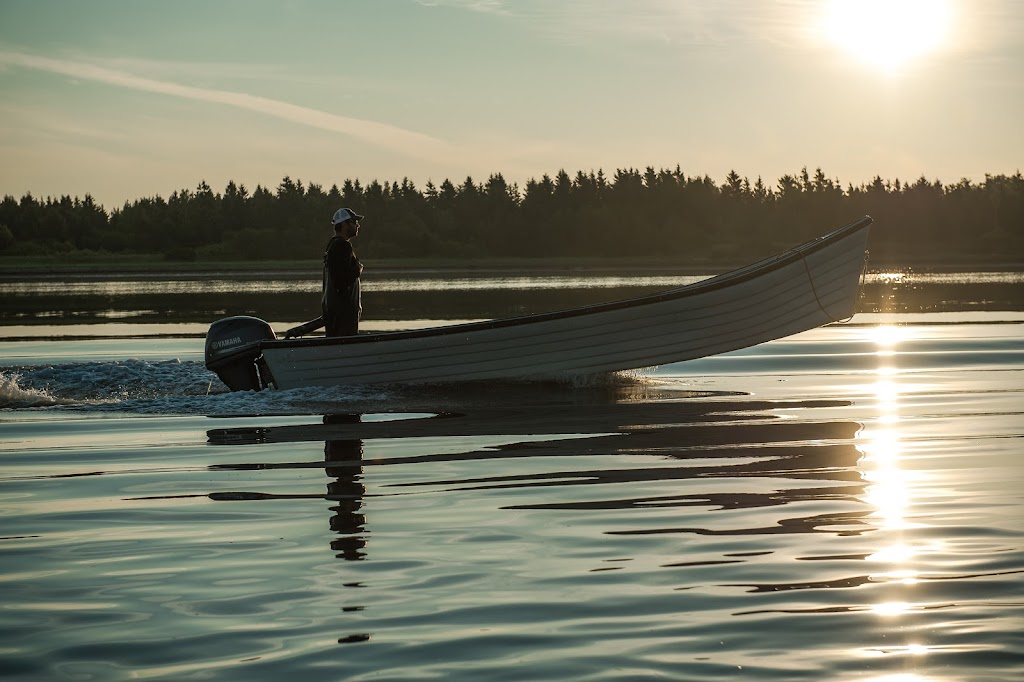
point(341, 263)
point(341, 304)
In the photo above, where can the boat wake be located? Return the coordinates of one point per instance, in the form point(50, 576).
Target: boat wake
point(102, 382)
point(176, 387)
point(145, 387)
point(13, 395)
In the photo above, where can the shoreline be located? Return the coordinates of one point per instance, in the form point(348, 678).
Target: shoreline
point(429, 268)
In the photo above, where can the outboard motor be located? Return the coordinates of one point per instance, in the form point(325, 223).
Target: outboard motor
point(232, 348)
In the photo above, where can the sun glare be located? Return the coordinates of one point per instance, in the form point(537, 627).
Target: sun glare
point(888, 34)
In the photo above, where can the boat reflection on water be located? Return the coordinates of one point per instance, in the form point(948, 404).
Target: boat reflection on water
point(711, 511)
point(624, 453)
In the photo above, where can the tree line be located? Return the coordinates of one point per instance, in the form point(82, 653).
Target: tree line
point(651, 213)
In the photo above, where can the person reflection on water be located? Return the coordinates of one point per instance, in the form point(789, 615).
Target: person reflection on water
point(341, 304)
point(344, 459)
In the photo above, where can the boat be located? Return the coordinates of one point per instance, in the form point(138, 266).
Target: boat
point(807, 286)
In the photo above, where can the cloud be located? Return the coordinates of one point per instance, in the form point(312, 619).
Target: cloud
point(698, 23)
point(485, 6)
point(383, 135)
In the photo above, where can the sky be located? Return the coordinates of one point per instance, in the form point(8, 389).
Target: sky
point(126, 99)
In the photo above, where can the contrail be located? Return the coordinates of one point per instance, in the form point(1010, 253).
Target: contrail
point(381, 134)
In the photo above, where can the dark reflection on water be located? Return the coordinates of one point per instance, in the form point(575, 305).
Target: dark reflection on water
point(717, 437)
point(343, 464)
point(344, 458)
point(345, 489)
point(691, 440)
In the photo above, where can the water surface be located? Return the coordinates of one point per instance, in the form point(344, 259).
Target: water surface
point(844, 504)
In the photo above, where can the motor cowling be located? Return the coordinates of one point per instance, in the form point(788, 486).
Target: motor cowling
point(232, 349)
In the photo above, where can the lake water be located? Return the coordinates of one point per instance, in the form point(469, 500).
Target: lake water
point(845, 504)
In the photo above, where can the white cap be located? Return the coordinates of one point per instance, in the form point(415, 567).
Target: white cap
point(343, 214)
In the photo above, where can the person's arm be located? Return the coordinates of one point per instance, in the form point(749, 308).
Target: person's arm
point(343, 265)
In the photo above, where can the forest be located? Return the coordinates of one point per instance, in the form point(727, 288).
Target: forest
point(651, 214)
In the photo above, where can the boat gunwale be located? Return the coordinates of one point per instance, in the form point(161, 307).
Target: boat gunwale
point(724, 280)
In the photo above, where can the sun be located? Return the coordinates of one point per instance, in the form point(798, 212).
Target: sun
point(888, 34)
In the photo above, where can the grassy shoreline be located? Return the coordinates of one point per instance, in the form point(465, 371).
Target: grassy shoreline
point(15, 268)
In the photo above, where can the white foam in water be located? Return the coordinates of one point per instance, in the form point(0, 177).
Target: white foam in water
point(101, 382)
point(161, 387)
point(12, 395)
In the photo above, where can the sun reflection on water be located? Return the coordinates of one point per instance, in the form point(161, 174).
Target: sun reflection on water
point(888, 489)
point(889, 486)
point(894, 608)
point(887, 336)
point(889, 492)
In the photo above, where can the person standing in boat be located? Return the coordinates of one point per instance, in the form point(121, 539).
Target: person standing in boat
point(341, 304)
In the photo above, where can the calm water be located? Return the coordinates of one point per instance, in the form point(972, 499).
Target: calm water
point(846, 504)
